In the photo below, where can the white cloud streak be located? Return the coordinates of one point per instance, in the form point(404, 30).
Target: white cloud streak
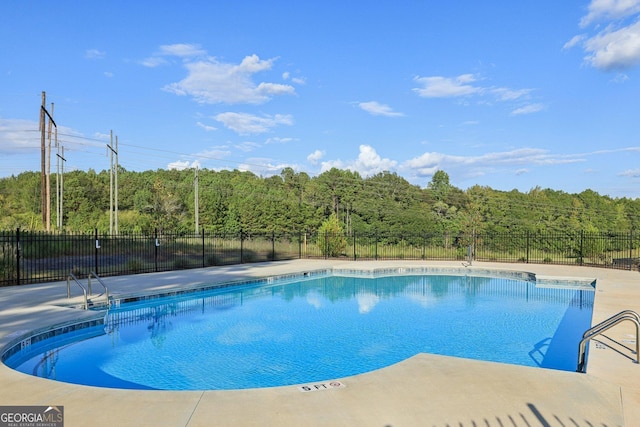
point(246, 124)
point(465, 86)
point(376, 109)
point(447, 87)
point(16, 135)
point(527, 109)
point(94, 54)
point(600, 10)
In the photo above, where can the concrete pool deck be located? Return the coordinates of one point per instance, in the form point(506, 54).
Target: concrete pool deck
point(425, 390)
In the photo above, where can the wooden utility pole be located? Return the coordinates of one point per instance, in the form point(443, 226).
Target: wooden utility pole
point(116, 187)
point(43, 155)
point(113, 175)
point(110, 146)
point(45, 191)
point(60, 183)
point(48, 179)
point(196, 203)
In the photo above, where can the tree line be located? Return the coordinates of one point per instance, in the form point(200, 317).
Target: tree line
point(230, 201)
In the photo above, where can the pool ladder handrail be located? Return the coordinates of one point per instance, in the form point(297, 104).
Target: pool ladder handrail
point(84, 290)
point(106, 290)
point(604, 326)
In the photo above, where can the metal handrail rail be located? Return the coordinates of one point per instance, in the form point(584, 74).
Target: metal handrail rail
point(106, 290)
point(604, 326)
point(84, 291)
point(613, 319)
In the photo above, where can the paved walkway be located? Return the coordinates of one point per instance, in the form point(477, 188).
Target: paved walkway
point(425, 390)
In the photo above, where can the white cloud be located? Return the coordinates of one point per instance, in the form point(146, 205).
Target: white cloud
point(274, 89)
point(463, 87)
point(446, 87)
point(428, 163)
point(631, 173)
point(368, 163)
point(206, 127)
point(330, 164)
point(575, 40)
point(245, 124)
point(17, 135)
point(210, 81)
point(315, 157)
point(182, 165)
point(185, 51)
point(277, 140)
point(377, 109)
point(527, 109)
point(614, 43)
point(154, 61)
point(506, 94)
point(610, 9)
point(247, 146)
point(182, 50)
point(614, 49)
point(94, 54)
point(215, 153)
point(102, 135)
point(620, 78)
point(264, 166)
point(297, 80)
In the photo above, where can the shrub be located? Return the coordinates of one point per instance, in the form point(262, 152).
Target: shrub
point(331, 240)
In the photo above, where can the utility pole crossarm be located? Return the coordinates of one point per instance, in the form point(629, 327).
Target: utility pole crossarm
point(48, 115)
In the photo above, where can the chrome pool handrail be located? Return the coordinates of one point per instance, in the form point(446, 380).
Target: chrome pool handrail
point(84, 290)
point(106, 290)
point(602, 327)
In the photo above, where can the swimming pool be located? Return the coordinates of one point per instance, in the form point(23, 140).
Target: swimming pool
point(315, 328)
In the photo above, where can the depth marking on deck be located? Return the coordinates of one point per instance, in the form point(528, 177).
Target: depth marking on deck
point(321, 386)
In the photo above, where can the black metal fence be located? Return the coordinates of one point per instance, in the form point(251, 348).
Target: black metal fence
point(33, 257)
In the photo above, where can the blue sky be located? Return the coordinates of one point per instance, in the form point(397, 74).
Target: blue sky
point(505, 94)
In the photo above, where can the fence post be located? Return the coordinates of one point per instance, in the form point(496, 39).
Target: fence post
point(354, 246)
point(96, 252)
point(273, 246)
point(300, 244)
point(203, 255)
point(241, 247)
point(631, 249)
point(581, 247)
point(376, 256)
point(528, 242)
point(18, 256)
point(326, 245)
point(155, 246)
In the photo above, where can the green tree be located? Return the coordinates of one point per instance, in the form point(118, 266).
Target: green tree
point(331, 239)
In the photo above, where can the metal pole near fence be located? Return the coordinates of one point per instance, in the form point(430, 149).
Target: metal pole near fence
point(18, 256)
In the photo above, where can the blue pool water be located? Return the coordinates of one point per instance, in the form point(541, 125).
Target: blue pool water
point(315, 329)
